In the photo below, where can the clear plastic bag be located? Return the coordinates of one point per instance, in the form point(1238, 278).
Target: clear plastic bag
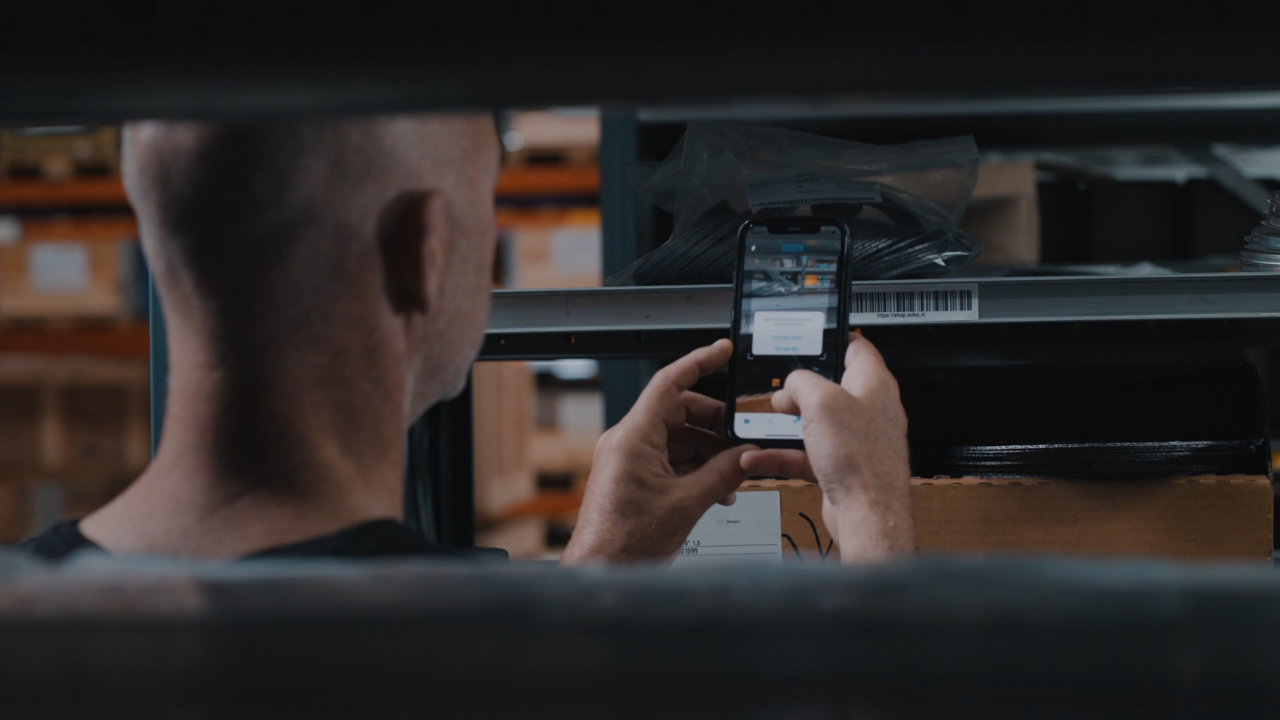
point(901, 203)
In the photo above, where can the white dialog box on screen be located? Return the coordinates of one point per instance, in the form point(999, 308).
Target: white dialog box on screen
point(779, 332)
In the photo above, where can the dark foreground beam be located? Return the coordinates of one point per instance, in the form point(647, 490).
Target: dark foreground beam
point(114, 60)
point(995, 638)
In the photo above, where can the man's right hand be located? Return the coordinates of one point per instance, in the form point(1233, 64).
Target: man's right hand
point(855, 438)
point(659, 469)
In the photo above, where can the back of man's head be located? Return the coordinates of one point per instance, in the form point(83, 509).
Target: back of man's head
point(265, 238)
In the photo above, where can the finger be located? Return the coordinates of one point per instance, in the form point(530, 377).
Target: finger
point(784, 403)
point(703, 412)
point(691, 444)
point(661, 398)
point(729, 499)
point(683, 373)
point(864, 368)
point(802, 389)
point(717, 477)
point(790, 464)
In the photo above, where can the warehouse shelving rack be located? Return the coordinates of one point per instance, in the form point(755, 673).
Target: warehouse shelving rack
point(625, 327)
point(1079, 73)
point(1088, 73)
point(662, 321)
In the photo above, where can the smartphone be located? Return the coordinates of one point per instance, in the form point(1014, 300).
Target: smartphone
point(789, 312)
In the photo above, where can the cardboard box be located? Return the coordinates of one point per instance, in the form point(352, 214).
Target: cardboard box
point(503, 416)
point(1005, 213)
point(804, 536)
point(1202, 517)
point(71, 268)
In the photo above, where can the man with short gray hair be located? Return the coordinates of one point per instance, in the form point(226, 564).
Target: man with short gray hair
point(324, 283)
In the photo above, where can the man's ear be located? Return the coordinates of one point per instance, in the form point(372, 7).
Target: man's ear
point(403, 235)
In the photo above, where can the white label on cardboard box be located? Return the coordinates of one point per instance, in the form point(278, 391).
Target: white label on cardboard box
point(898, 305)
point(745, 533)
point(797, 189)
point(60, 267)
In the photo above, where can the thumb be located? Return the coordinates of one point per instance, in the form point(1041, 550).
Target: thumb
point(865, 371)
point(717, 477)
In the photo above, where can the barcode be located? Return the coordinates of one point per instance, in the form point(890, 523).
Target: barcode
point(912, 301)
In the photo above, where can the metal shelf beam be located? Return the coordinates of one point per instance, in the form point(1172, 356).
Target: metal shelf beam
point(628, 322)
point(862, 109)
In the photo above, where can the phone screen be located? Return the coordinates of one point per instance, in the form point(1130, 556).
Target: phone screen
point(788, 319)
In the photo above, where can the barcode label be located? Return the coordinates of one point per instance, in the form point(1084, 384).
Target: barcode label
point(896, 304)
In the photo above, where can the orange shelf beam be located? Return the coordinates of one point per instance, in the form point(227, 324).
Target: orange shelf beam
point(546, 217)
point(79, 192)
point(546, 504)
point(535, 180)
point(95, 227)
point(130, 340)
point(530, 181)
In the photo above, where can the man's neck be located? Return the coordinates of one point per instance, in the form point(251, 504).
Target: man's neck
point(247, 466)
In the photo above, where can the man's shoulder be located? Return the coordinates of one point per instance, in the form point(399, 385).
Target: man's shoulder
point(373, 539)
point(58, 541)
point(376, 538)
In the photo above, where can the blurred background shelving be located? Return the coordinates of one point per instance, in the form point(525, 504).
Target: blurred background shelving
point(1056, 189)
point(536, 423)
point(74, 336)
point(74, 420)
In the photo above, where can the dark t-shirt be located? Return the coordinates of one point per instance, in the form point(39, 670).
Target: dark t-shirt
point(376, 538)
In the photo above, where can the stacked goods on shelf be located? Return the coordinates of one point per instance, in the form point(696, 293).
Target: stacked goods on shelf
point(570, 421)
point(74, 424)
point(1152, 460)
point(1005, 212)
point(545, 137)
point(900, 203)
point(552, 248)
point(75, 432)
point(502, 402)
point(1093, 421)
point(1261, 251)
point(70, 268)
point(564, 251)
point(534, 436)
point(1124, 461)
point(1196, 517)
point(59, 153)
